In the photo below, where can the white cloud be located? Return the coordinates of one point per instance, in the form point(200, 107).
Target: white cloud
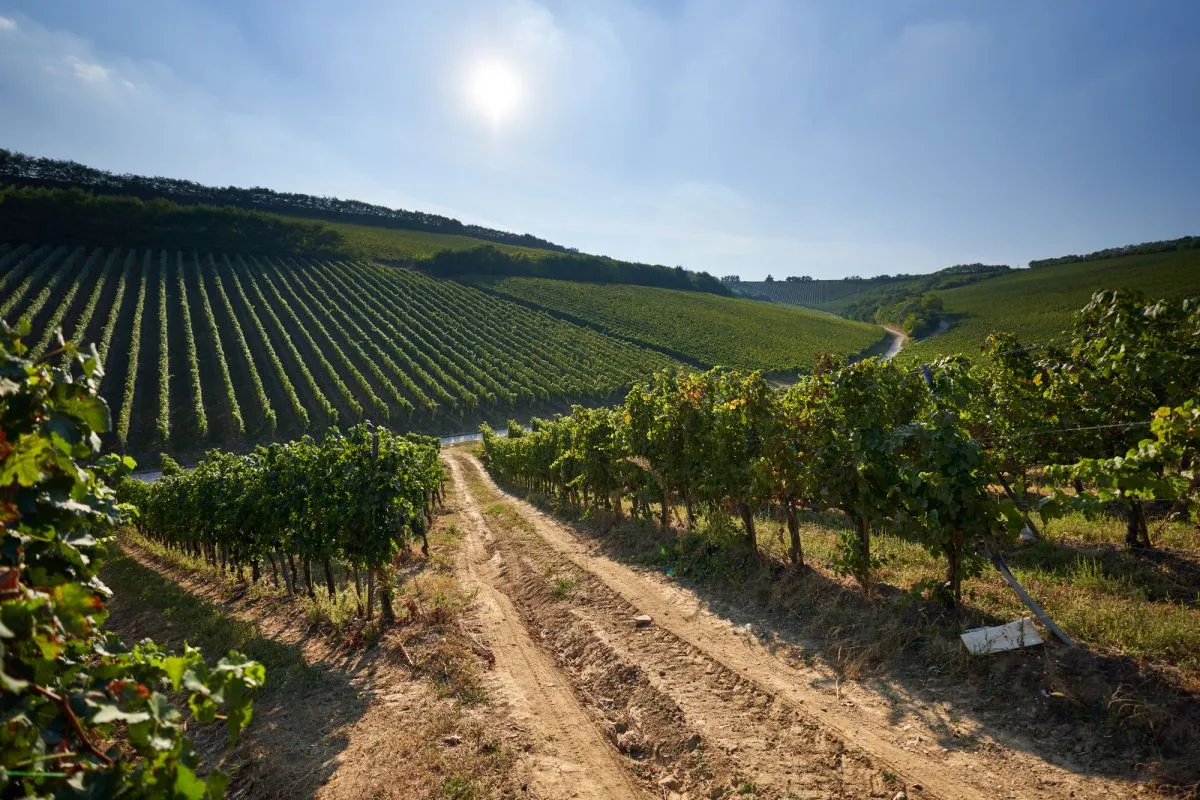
point(88, 71)
point(7, 24)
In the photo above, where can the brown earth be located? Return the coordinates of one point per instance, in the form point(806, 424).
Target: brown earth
point(585, 701)
point(711, 708)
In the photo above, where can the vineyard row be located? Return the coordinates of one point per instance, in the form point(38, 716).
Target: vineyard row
point(207, 348)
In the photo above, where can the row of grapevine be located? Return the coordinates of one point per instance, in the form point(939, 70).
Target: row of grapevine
point(110, 323)
point(327, 410)
point(270, 419)
point(135, 349)
point(235, 410)
point(352, 499)
point(189, 346)
point(915, 453)
point(288, 389)
point(64, 305)
point(303, 344)
point(89, 308)
point(164, 358)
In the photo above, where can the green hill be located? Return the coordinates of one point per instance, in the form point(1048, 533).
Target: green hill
point(50, 200)
point(1037, 304)
point(701, 328)
point(209, 348)
point(823, 294)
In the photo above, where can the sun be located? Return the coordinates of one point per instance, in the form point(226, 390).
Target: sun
point(494, 89)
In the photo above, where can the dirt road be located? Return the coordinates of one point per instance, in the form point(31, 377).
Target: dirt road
point(691, 705)
point(571, 757)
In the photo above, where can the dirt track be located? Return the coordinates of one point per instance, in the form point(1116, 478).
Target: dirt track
point(691, 705)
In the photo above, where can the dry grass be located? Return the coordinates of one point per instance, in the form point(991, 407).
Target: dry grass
point(341, 707)
point(1131, 692)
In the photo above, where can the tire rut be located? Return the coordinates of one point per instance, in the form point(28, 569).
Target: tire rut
point(571, 758)
point(785, 736)
point(689, 723)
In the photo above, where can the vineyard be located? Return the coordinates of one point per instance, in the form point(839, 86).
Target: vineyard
point(1039, 303)
point(352, 500)
point(209, 348)
point(701, 328)
point(941, 456)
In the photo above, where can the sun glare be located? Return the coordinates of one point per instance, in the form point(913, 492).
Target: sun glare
point(494, 89)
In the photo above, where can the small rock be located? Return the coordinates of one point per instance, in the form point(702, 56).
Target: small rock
point(642, 620)
point(916, 787)
point(670, 782)
point(453, 740)
point(692, 743)
point(901, 795)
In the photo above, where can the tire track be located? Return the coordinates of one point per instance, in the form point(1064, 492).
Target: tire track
point(572, 758)
point(710, 641)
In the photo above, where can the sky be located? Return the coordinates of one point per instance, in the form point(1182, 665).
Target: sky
point(763, 137)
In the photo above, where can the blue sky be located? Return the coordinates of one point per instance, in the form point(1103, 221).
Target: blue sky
point(793, 138)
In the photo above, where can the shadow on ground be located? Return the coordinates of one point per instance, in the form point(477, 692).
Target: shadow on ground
point(303, 713)
point(1088, 712)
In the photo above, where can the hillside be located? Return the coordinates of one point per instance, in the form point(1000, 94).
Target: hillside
point(50, 200)
point(20, 169)
point(204, 348)
point(1037, 303)
point(809, 293)
point(698, 327)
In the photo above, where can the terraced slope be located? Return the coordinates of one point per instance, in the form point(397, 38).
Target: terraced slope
point(703, 328)
point(213, 348)
point(1037, 304)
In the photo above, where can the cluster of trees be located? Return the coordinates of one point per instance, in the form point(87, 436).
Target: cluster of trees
point(84, 715)
point(488, 260)
point(24, 170)
point(1165, 246)
point(911, 302)
point(354, 499)
point(915, 452)
point(76, 217)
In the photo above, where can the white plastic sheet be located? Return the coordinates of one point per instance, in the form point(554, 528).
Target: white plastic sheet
point(1014, 635)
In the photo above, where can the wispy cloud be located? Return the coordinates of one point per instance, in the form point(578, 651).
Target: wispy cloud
point(88, 71)
point(7, 24)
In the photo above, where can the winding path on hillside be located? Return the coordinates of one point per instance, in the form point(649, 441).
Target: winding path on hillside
point(899, 339)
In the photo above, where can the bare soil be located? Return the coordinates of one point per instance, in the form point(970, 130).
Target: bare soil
point(334, 722)
point(707, 699)
point(698, 705)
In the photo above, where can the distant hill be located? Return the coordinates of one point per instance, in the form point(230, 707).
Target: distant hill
point(907, 301)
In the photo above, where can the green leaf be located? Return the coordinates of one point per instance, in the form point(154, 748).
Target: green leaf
point(188, 785)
